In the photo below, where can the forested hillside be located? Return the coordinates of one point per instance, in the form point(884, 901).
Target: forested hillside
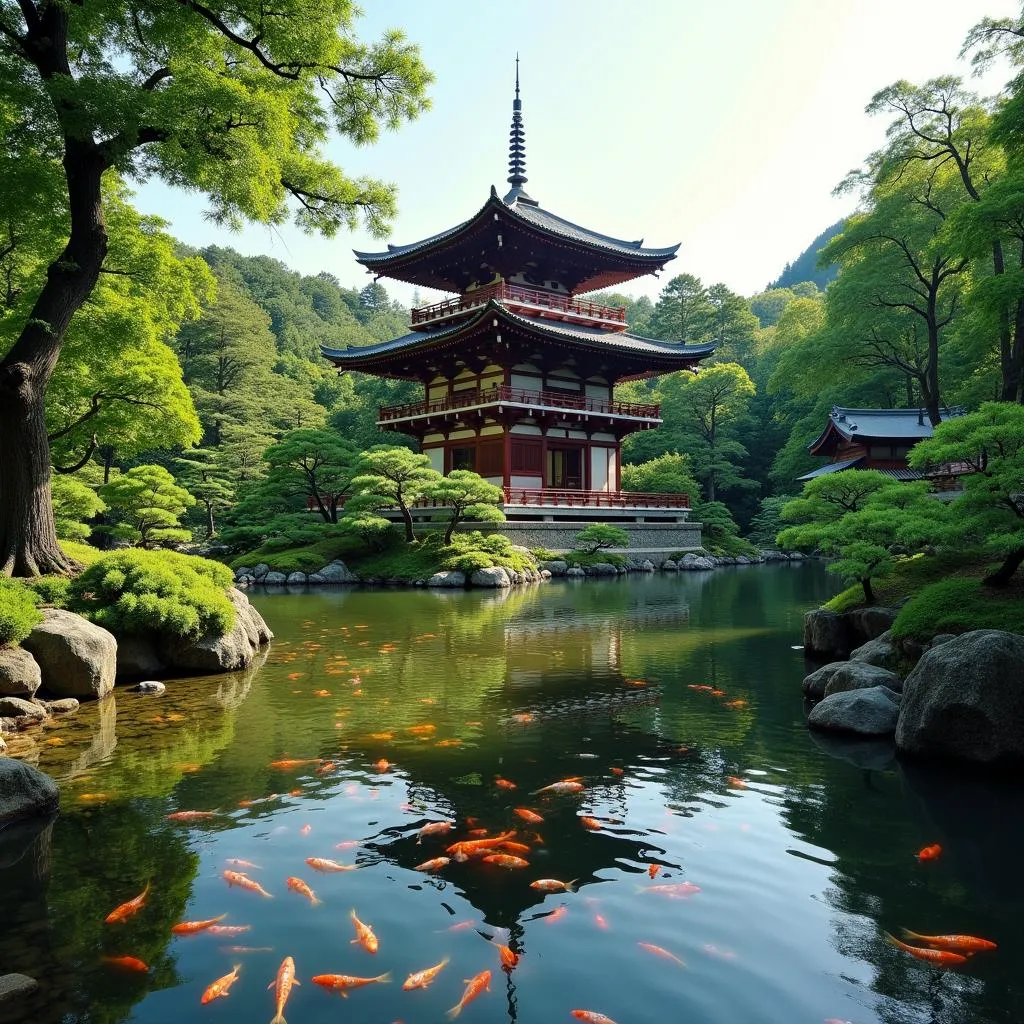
point(805, 267)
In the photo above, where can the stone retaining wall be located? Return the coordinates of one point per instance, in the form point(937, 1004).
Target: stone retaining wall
point(651, 539)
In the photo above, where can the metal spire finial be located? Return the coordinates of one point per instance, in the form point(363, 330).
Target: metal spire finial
point(517, 149)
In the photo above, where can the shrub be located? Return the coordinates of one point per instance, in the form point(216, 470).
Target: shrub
point(18, 611)
point(582, 559)
point(164, 592)
point(601, 535)
point(958, 606)
point(74, 502)
point(52, 590)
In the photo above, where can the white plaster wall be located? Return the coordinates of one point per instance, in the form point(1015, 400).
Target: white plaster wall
point(598, 469)
point(520, 380)
point(527, 429)
point(526, 481)
point(436, 456)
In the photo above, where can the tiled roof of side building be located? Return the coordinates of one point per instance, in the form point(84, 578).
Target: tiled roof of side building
point(896, 423)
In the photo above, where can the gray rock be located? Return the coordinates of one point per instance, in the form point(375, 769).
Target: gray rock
point(337, 572)
point(796, 556)
point(516, 578)
point(450, 578)
point(965, 700)
point(942, 638)
point(859, 675)
point(601, 569)
point(646, 565)
point(872, 753)
point(296, 577)
point(25, 792)
point(881, 652)
point(19, 707)
point(245, 570)
point(869, 712)
point(864, 624)
point(826, 633)
point(669, 565)
point(136, 656)
point(19, 673)
point(14, 988)
point(64, 706)
point(494, 577)
point(275, 578)
point(77, 658)
point(575, 572)
point(545, 574)
point(814, 684)
point(315, 578)
point(151, 686)
point(692, 562)
point(3, 744)
point(742, 560)
point(261, 570)
point(557, 566)
point(774, 556)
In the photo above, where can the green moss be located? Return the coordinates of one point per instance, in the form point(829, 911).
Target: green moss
point(958, 605)
point(52, 590)
point(421, 559)
point(136, 591)
point(585, 558)
point(84, 554)
point(303, 558)
point(18, 611)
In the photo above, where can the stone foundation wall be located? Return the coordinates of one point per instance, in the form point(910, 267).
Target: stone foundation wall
point(655, 540)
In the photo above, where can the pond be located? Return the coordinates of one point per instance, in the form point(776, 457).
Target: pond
point(778, 860)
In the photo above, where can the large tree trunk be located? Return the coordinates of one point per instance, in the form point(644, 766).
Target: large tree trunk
point(28, 540)
point(869, 593)
point(1002, 576)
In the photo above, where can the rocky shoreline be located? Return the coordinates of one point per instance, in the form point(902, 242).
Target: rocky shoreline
point(953, 697)
point(337, 572)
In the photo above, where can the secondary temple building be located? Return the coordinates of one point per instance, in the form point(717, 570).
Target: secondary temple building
point(519, 368)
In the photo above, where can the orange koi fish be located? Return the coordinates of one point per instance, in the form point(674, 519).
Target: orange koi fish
point(433, 865)
point(127, 963)
point(448, 743)
point(282, 986)
point(478, 832)
point(653, 869)
point(592, 1017)
point(591, 823)
point(299, 886)
point(382, 736)
point(220, 988)
point(616, 771)
point(937, 957)
point(434, 828)
point(305, 830)
point(382, 765)
point(288, 763)
point(364, 935)
point(295, 792)
point(191, 816)
point(956, 943)
point(556, 915)
point(245, 882)
point(509, 958)
point(133, 906)
point(523, 718)
point(565, 786)
point(421, 979)
point(932, 852)
point(678, 890)
point(422, 730)
point(323, 864)
point(340, 983)
point(735, 703)
point(474, 986)
point(191, 927)
point(736, 782)
point(601, 922)
point(718, 693)
point(510, 847)
point(347, 844)
point(553, 885)
point(228, 930)
point(505, 860)
point(658, 951)
point(527, 815)
point(467, 848)
point(504, 783)
point(234, 862)
point(325, 768)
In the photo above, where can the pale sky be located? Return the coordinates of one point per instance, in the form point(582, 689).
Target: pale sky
point(721, 124)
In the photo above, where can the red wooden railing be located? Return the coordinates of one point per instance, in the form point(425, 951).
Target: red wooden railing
point(600, 499)
point(516, 294)
point(546, 399)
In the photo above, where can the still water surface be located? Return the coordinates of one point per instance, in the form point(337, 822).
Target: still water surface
point(802, 851)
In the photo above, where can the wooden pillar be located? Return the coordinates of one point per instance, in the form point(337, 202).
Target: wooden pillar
point(618, 466)
point(543, 457)
point(507, 455)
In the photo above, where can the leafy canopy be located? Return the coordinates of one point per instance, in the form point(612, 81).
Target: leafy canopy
point(148, 505)
point(469, 496)
point(598, 536)
point(388, 477)
point(74, 503)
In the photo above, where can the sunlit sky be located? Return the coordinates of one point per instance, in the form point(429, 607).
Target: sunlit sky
point(723, 124)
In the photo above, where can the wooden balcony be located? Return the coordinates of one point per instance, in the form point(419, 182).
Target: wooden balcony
point(551, 498)
point(529, 301)
point(566, 401)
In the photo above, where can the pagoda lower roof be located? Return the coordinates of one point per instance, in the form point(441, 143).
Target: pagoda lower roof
point(503, 237)
point(404, 357)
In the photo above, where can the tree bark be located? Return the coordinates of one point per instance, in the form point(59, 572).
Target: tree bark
point(1002, 576)
point(869, 594)
point(410, 533)
point(28, 539)
point(210, 527)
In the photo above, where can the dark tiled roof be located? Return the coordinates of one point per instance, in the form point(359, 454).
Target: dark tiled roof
point(832, 467)
point(911, 424)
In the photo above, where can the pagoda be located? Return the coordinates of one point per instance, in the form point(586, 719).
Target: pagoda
point(518, 367)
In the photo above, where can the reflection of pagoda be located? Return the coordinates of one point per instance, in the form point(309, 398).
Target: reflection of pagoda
point(518, 370)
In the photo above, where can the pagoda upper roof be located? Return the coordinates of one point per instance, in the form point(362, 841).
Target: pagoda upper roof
point(406, 356)
point(510, 235)
point(853, 425)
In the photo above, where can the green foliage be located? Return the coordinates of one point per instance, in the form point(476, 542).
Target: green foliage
point(74, 502)
point(958, 606)
point(469, 496)
point(767, 524)
point(665, 474)
point(769, 305)
point(52, 590)
point(83, 554)
point(207, 476)
point(719, 531)
point(989, 442)
point(420, 559)
point(598, 536)
point(148, 505)
point(155, 592)
point(18, 611)
point(389, 477)
point(332, 542)
point(582, 559)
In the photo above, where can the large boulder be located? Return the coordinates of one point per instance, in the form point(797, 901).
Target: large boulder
point(864, 624)
point(825, 633)
point(574, 572)
point(337, 572)
point(965, 700)
point(451, 578)
point(137, 657)
point(493, 577)
point(274, 579)
point(601, 569)
point(19, 673)
point(669, 565)
point(19, 708)
point(869, 712)
point(815, 683)
point(227, 653)
point(76, 657)
point(691, 562)
point(881, 651)
point(296, 578)
point(859, 675)
point(25, 792)
point(557, 566)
